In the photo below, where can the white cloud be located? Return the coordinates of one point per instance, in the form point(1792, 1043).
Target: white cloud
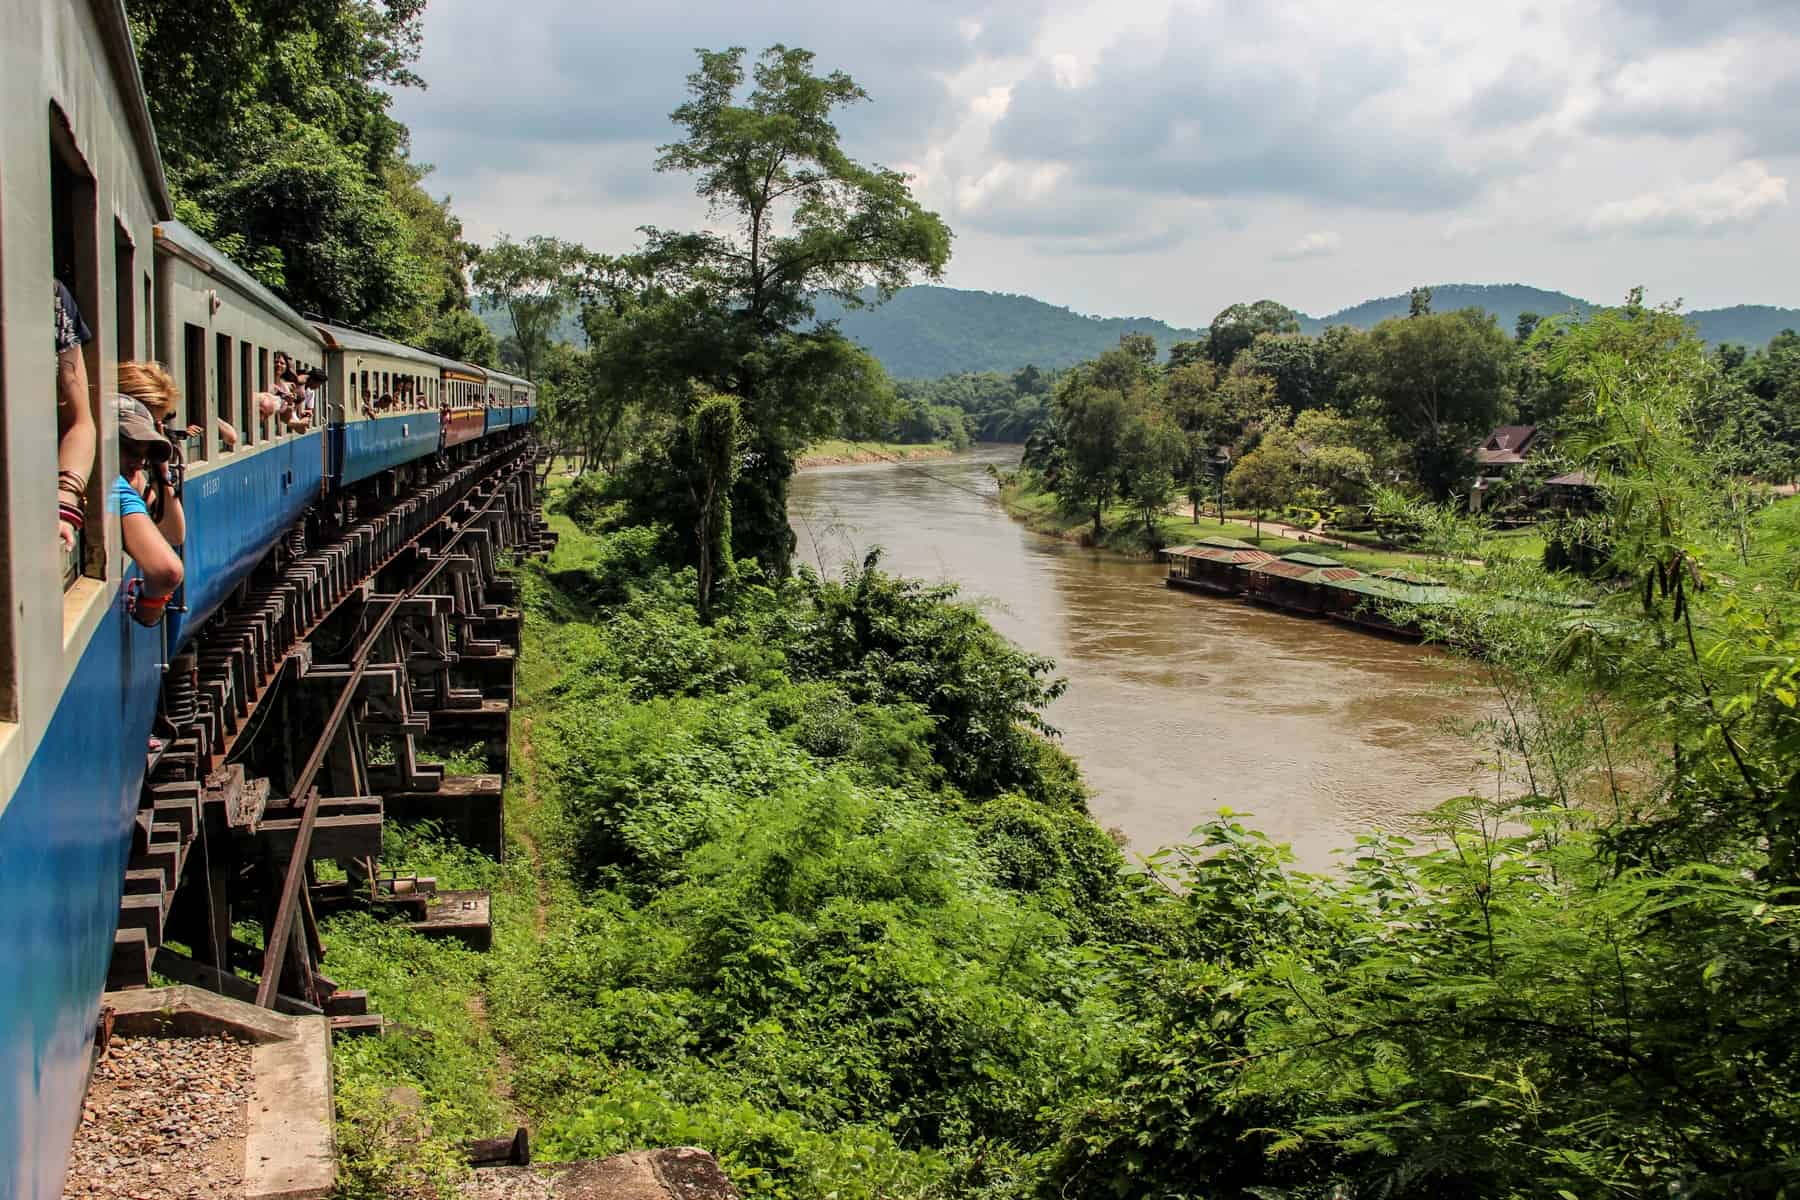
point(1321, 243)
point(1737, 199)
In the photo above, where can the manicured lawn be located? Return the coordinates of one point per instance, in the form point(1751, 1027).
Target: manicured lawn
point(1123, 531)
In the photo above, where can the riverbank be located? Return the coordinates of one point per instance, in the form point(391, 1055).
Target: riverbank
point(1122, 531)
point(839, 453)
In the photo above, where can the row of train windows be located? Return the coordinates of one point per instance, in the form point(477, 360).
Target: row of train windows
point(381, 388)
point(242, 377)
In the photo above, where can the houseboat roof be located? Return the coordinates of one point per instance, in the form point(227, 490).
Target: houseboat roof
point(1220, 542)
point(1388, 588)
point(1221, 554)
point(1402, 575)
point(1301, 572)
point(1311, 560)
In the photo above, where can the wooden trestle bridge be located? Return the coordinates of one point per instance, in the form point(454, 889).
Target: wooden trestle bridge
point(380, 626)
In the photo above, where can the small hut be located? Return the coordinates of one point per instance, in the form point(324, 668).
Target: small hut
point(1297, 582)
point(1574, 492)
point(1389, 600)
point(1211, 565)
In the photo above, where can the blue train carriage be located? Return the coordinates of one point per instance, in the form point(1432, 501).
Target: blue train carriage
point(80, 191)
point(218, 331)
point(510, 400)
point(385, 400)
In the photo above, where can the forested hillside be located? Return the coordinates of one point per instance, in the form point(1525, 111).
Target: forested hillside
point(927, 332)
point(1505, 300)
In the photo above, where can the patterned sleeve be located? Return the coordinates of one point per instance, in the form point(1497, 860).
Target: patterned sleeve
point(71, 330)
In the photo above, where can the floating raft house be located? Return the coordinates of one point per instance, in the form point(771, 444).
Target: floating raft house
point(1299, 582)
point(1211, 565)
point(1388, 600)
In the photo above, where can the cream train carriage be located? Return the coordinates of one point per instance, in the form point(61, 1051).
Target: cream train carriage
point(81, 188)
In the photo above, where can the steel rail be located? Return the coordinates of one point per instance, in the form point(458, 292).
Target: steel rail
point(275, 954)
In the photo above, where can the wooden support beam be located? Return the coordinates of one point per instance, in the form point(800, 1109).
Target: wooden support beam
point(185, 970)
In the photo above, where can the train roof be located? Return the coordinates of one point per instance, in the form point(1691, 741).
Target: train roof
point(503, 377)
point(175, 238)
point(115, 31)
point(341, 337)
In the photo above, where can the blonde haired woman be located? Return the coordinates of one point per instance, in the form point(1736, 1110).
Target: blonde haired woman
point(150, 384)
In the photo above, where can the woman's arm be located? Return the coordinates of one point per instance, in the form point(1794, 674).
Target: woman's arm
point(76, 436)
point(160, 565)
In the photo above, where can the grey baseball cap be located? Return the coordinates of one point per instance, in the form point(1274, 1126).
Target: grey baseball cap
point(137, 425)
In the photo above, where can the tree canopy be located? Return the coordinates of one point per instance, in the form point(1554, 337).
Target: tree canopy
point(274, 126)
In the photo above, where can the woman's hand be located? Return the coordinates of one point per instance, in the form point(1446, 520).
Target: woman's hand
point(65, 533)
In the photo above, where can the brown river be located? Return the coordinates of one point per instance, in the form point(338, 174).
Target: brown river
point(1178, 704)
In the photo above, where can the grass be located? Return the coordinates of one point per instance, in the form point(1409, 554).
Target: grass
point(436, 991)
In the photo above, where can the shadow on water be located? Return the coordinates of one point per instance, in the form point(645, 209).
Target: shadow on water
point(1178, 704)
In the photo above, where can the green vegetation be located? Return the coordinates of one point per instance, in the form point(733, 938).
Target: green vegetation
point(1344, 432)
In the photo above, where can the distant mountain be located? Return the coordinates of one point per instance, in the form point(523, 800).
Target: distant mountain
point(924, 332)
point(1505, 300)
point(1749, 325)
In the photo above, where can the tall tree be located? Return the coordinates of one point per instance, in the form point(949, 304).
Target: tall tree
point(533, 283)
point(732, 309)
point(1236, 327)
point(1444, 380)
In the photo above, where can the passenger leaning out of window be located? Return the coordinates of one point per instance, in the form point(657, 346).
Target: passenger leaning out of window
point(151, 522)
point(76, 438)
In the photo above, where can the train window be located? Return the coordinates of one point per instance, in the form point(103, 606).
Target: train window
point(262, 370)
point(222, 381)
point(124, 311)
point(75, 260)
point(194, 384)
point(246, 394)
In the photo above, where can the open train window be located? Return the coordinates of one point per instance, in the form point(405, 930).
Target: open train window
point(222, 381)
point(124, 310)
point(246, 426)
point(75, 260)
point(194, 385)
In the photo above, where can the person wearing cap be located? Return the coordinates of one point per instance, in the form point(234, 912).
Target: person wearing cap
point(150, 541)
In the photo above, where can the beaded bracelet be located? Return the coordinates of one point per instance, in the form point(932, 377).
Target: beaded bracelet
point(70, 514)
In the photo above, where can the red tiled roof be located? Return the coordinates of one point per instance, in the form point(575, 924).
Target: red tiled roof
point(1506, 445)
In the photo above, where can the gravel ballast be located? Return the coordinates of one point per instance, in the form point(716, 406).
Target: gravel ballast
point(164, 1120)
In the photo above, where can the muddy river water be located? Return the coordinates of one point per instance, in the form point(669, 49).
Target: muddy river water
point(1178, 704)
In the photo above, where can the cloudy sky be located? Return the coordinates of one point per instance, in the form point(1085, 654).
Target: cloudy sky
point(1166, 157)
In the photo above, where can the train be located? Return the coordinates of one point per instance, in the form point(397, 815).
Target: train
point(84, 200)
